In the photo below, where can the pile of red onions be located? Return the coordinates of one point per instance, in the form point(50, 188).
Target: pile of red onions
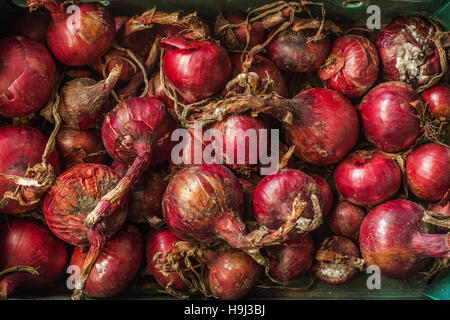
point(28, 243)
point(352, 67)
point(28, 76)
point(392, 237)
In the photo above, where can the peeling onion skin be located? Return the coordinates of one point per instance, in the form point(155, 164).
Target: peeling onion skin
point(325, 192)
point(389, 120)
point(437, 100)
point(198, 69)
point(232, 274)
point(162, 241)
point(274, 196)
point(28, 74)
point(405, 52)
point(23, 146)
point(72, 198)
point(428, 171)
point(291, 259)
point(264, 68)
point(346, 219)
point(336, 273)
point(117, 265)
point(353, 68)
point(25, 242)
point(392, 237)
point(327, 127)
point(367, 178)
point(290, 51)
point(190, 208)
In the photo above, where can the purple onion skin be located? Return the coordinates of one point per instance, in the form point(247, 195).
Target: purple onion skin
point(346, 219)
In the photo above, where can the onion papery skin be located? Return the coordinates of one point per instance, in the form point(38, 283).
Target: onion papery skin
point(264, 68)
point(117, 264)
point(408, 52)
point(25, 242)
point(23, 147)
point(392, 237)
point(82, 43)
point(291, 51)
point(437, 100)
point(428, 171)
point(352, 67)
point(197, 69)
point(232, 274)
point(74, 196)
point(326, 194)
point(346, 219)
point(233, 129)
point(146, 123)
point(336, 273)
point(33, 26)
point(389, 120)
point(238, 40)
point(291, 259)
point(367, 178)
point(75, 146)
point(162, 241)
point(275, 194)
point(326, 127)
point(28, 76)
point(146, 197)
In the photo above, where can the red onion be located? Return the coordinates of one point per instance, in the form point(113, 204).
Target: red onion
point(197, 69)
point(117, 264)
point(146, 197)
point(326, 127)
point(279, 194)
point(326, 194)
point(296, 51)
point(367, 178)
point(161, 242)
point(235, 37)
point(80, 36)
point(33, 26)
point(28, 243)
point(329, 267)
point(155, 89)
point(428, 171)
point(28, 76)
point(136, 132)
point(291, 259)
point(231, 274)
point(408, 51)
point(437, 100)
point(346, 219)
point(388, 117)
point(22, 147)
point(75, 194)
point(352, 67)
point(392, 237)
point(264, 68)
point(115, 57)
point(238, 150)
point(83, 100)
point(78, 146)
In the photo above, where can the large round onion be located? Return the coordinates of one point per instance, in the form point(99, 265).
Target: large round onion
point(389, 118)
point(22, 147)
point(408, 52)
point(392, 237)
point(78, 37)
point(197, 69)
point(352, 67)
point(437, 100)
point(326, 128)
point(428, 171)
point(28, 74)
point(367, 178)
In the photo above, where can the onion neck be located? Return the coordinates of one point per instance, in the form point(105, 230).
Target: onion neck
point(53, 6)
point(8, 284)
point(431, 245)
